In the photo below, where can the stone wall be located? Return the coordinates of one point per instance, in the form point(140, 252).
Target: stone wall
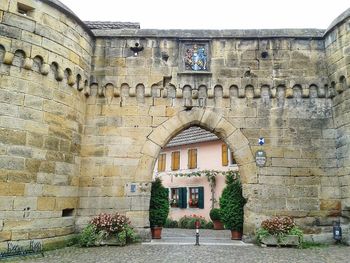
point(84, 114)
point(282, 96)
point(338, 63)
point(45, 60)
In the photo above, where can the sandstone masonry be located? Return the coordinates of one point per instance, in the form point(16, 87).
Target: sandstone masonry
point(86, 107)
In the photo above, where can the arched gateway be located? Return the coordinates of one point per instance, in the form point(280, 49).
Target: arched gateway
point(212, 120)
point(85, 108)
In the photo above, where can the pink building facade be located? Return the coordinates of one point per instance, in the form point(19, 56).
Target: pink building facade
point(193, 150)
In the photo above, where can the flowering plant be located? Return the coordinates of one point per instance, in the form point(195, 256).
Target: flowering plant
point(111, 223)
point(279, 227)
point(107, 227)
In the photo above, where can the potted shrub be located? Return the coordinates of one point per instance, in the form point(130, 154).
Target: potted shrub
point(215, 216)
point(279, 231)
point(231, 205)
point(159, 208)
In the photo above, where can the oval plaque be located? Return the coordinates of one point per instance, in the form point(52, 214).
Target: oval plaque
point(260, 158)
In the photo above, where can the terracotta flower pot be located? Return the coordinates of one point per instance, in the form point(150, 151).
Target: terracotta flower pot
point(156, 232)
point(218, 225)
point(236, 235)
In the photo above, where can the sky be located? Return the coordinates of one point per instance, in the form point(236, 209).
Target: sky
point(212, 14)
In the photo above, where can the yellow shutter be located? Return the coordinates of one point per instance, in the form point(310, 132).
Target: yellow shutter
point(192, 158)
point(175, 161)
point(224, 155)
point(161, 162)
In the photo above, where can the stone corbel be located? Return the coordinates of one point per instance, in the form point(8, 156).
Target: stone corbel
point(87, 90)
point(226, 93)
point(148, 92)
point(257, 92)
point(305, 92)
point(179, 93)
point(289, 93)
point(100, 91)
point(339, 87)
point(132, 92)
point(116, 92)
point(28, 64)
point(8, 58)
point(60, 74)
point(210, 93)
point(71, 80)
point(45, 69)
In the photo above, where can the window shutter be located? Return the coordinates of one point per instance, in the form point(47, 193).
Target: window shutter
point(161, 162)
point(192, 158)
point(175, 161)
point(201, 197)
point(224, 155)
point(183, 197)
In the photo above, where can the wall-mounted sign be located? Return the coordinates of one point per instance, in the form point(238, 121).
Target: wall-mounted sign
point(133, 188)
point(261, 141)
point(260, 158)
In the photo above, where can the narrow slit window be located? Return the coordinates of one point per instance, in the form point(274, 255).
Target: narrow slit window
point(24, 10)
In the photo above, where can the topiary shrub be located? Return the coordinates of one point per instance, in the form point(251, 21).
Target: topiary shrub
point(159, 204)
point(215, 214)
point(232, 203)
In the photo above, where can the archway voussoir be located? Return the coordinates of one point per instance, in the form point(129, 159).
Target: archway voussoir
point(224, 128)
point(160, 135)
point(191, 117)
point(248, 173)
point(150, 148)
point(211, 118)
point(237, 140)
point(244, 156)
point(145, 168)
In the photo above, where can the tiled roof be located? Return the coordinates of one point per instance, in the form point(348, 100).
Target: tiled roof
point(193, 134)
point(111, 25)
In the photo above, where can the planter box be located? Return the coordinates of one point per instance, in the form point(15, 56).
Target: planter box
point(285, 241)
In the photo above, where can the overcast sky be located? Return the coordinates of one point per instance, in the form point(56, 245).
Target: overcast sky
point(213, 14)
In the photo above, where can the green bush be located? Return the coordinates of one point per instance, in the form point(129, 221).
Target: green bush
point(189, 222)
point(90, 236)
point(209, 225)
point(127, 236)
point(232, 203)
point(170, 223)
point(159, 204)
point(215, 214)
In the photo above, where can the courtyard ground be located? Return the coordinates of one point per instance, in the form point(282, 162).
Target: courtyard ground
point(178, 246)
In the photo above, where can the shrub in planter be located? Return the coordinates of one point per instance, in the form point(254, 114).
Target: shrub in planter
point(232, 203)
point(275, 231)
point(90, 236)
point(114, 229)
point(215, 214)
point(159, 206)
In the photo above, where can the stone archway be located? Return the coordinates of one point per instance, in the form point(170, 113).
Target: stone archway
point(214, 121)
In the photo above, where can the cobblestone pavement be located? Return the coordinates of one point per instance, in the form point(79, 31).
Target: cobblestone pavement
point(189, 253)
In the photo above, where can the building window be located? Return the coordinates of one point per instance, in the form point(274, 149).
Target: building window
point(232, 158)
point(24, 10)
point(174, 197)
point(196, 197)
point(192, 158)
point(161, 162)
point(175, 161)
point(227, 156)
